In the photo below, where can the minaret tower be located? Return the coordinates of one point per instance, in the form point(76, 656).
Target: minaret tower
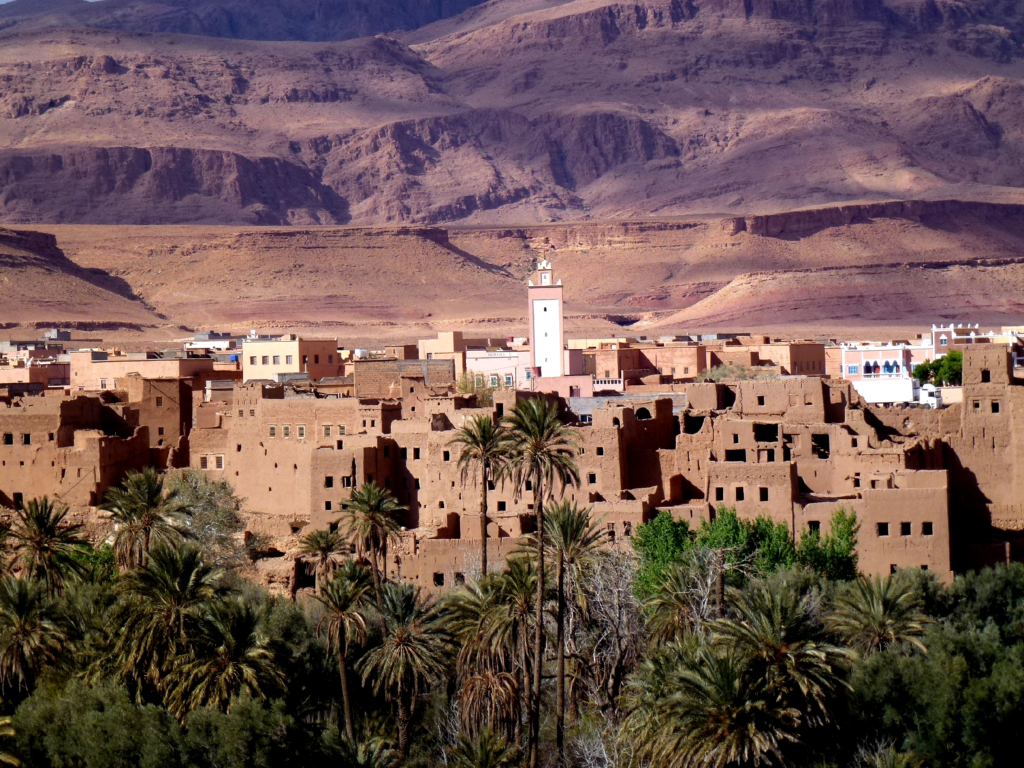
point(545, 296)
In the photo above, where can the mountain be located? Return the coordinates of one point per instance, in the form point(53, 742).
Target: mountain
point(514, 111)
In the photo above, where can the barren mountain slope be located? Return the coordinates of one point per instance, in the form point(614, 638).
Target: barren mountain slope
point(39, 285)
point(822, 271)
point(519, 111)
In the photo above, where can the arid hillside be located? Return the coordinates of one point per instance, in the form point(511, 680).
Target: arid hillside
point(877, 268)
point(514, 112)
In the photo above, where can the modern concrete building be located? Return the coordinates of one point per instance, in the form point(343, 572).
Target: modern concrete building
point(263, 359)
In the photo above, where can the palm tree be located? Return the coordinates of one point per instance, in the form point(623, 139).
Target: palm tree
point(144, 515)
point(30, 632)
point(489, 701)
point(7, 732)
point(46, 542)
point(326, 548)
point(484, 448)
point(412, 655)
point(669, 607)
point(776, 632)
point(542, 452)
point(718, 715)
point(165, 602)
point(876, 614)
point(574, 537)
point(887, 756)
point(232, 654)
point(372, 514)
point(344, 623)
point(371, 753)
point(488, 751)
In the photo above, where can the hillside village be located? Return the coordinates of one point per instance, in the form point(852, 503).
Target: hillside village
point(791, 429)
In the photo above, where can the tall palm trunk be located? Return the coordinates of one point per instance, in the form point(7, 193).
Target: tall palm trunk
point(376, 578)
point(403, 727)
point(524, 690)
point(346, 704)
point(145, 546)
point(538, 639)
point(560, 692)
point(483, 520)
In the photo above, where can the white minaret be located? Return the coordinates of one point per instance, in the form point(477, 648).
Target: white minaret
point(545, 296)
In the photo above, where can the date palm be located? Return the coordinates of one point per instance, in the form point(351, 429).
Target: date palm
point(574, 540)
point(776, 632)
point(879, 613)
point(718, 715)
point(326, 548)
point(30, 632)
point(372, 515)
point(542, 452)
point(232, 654)
point(344, 622)
point(484, 449)
point(46, 542)
point(412, 654)
point(487, 751)
point(371, 753)
point(144, 515)
point(164, 604)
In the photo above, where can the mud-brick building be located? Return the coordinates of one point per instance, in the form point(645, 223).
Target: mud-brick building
point(70, 448)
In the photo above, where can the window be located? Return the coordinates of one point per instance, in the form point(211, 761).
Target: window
point(770, 455)
point(854, 369)
point(926, 529)
point(943, 342)
point(529, 374)
point(8, 438)
point(856, 480)
point(893, 568)
point(415, 454)
point(735, 439)
point(340, 445)
point(203, 464)
point(159, 430)
point(760, 400)
point(995, 406)
point(159, 402)
point(286, 431)
point(740, 494)
point(592, 478)
point(883, 529)
point(904, 529)
point(241, 413)
point(327, 506)
point(288, 361)
point(508, 379)
point(813, 526)
point(330, 358)
point(478, 381)
point(316, 359)
point(627, 528)
point(764, 493)
point(438, 579)
point(252, 360)
point(346, 482)
point(719, 494)
point(440, 505)
point(19, 500)
point(327, 431)
point(328, 481)
point(273, 430)
point(300, 431)
point(986, 376)
point(238, 448)
point(977, 405)
point(766, 433)
point(404, 453)
point(501, 506)
point(447, 455)
point(277, 359)
point(218, 462)
point(494, 380)
point(265, 360)
point(252, 411)
point(739, 454)
point(600, 451)
point(26, 439)
point(103, 383)
point(341, 429)
point(51, 437)
point(853, 442)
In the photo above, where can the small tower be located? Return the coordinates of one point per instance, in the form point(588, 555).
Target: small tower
point(545, 296)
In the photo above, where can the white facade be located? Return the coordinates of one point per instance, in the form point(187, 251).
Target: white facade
point(547, 341)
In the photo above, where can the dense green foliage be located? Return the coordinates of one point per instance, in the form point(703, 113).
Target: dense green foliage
point(947, 370)
point(727, 646)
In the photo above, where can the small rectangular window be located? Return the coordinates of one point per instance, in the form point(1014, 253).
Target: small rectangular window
point(501, 506)
point(904, 529)
point(26, 439)
point(508, 379)
point(735, 439)
point(252, 360)
point(241, 413)
point(854, 369)
point(103, 383)
point(415, 454)
point(600, 451)
point(494, 380)
point(327, 431)
point(277, 359)
point(288, 361)
point(740, 494)
point(341, 429)
point(219, 462)
point(760, 399)
point(286, 431)
point(300, 430)
point(447, 456)
point(159, 402)
point(273, 430)
point(51, 436)
point(763, 493)
point(995, 406)
point(328, 481)
point(203, 463)
point(265, 360)
point(926, 529)
point(340, 446)
point(346, 482)
point(977, 405)
point(813, 526)
point(592, 479)
point(327, 506)
point(883, 529)
point(719, 494)
point(316, 359)
point(159, 430)
point(252, 411)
